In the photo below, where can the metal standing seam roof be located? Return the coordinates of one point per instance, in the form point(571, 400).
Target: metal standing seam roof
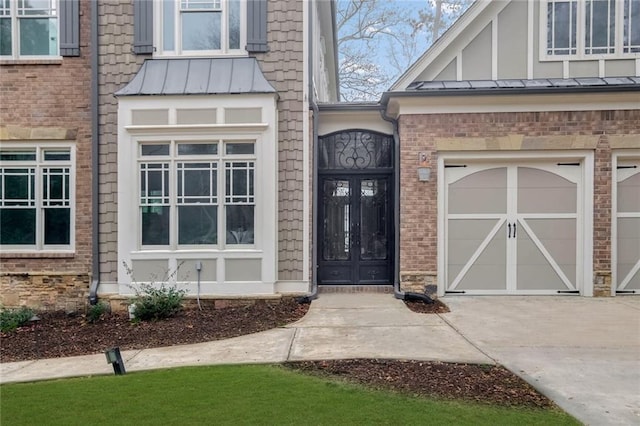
point(201, 76)
point(469, 86)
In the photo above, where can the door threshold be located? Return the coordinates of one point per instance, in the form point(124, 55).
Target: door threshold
point(345, 288)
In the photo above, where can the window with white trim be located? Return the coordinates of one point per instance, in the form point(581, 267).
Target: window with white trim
point(36, 198)
point(194, 27)
point(179, 187)
point(584, 28)
point(28, 28)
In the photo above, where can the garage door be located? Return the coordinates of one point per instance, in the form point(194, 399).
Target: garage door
point(627, 264)
point(513, 229)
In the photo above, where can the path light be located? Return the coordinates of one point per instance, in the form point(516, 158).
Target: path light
point(114, 357)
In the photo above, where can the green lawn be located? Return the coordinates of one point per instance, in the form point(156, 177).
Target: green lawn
point(253, 394)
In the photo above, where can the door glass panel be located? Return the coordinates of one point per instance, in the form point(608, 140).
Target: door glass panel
point(373, 219)
point(337, 219)
point(540, 191)
point(480, 192)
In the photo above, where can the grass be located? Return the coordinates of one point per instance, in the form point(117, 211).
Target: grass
point(250, 394)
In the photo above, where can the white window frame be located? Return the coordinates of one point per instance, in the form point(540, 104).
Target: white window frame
point(16, 18)
point(224, 34)
point(581, 46)
point(222, 200)
point(39, 165)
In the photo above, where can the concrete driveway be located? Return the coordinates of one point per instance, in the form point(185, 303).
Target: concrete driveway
point(584, 353)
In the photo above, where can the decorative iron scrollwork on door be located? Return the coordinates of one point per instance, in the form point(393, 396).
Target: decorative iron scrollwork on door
point(355, 150)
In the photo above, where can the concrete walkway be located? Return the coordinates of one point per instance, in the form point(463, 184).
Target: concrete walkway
point(583, 353)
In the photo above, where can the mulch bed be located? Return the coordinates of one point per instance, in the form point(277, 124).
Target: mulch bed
point(489, 384)
point(58, 334)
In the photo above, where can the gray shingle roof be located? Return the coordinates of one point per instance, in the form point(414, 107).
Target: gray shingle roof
point(202, 76)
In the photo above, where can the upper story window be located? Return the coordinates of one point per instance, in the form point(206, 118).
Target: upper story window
point(583, 28)
point(195, 27)
point(29, 28)
point(36, 198)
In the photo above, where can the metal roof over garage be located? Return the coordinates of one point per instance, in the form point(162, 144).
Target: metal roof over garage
point(202, 76)
point(523, 85)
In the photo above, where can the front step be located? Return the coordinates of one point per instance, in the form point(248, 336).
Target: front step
point(385, 289)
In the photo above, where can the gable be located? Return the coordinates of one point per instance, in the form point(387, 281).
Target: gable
point(508, 40)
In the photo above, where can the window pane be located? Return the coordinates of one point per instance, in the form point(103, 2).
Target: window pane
point(239, 148)
point(234, 24)
point(201, 30)
point(155, 225)
point(36, 7)
point(18, 155)
point(197, 149)
point(5, 37)
point(150, 150)
point(600, 26)
point(38, 36)
point(561, 27)
point(18, 226)
point(631, 26)
point(168, 25)
point(197, 225)
point(19, 187)
point(57, 156)
point(240, 224)
point(57, 226)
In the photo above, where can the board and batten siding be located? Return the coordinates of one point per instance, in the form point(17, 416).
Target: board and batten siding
point(504, 43)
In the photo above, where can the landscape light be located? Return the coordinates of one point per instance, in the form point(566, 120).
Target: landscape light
point(114, 358)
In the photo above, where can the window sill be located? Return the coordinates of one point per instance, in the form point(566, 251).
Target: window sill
point(40, 61)
point(37, 255)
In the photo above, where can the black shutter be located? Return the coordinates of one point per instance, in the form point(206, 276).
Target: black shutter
point(70, 27)
point(142, 26)
point(257, 26)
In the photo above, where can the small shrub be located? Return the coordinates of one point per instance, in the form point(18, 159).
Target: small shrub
point(10, 319)
point(95, 312)
point(154, 302)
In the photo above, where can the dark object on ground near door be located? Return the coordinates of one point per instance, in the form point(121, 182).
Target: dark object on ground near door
point(417, 297)
point(304, 300)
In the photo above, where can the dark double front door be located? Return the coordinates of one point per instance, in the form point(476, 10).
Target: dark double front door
point(355, 229)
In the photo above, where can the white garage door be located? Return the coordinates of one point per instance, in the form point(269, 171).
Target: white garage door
point(513, 229)
point(627, 274)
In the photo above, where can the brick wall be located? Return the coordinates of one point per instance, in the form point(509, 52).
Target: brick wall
point(51, 99)
point(418, 200)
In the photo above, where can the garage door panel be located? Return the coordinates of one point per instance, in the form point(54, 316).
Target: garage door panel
point(470, 239)
point(540, 191)
point(479, 192)
point(558, 238)
point(538, 270)
point(629, 194)
point(488, 271)
point(531, 245)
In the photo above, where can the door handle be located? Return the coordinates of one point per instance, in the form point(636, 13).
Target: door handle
point(509, 234)
point(515, 227)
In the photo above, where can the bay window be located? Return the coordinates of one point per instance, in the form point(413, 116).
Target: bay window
point(200, 26)
point(36, 198)
point(179, 187)
point(28, 28)
point(584, 28)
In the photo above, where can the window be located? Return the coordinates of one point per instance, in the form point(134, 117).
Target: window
point(180, 183)
point(36, 198)
point(590, 27)
point(201, 26)
point(28, 28)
